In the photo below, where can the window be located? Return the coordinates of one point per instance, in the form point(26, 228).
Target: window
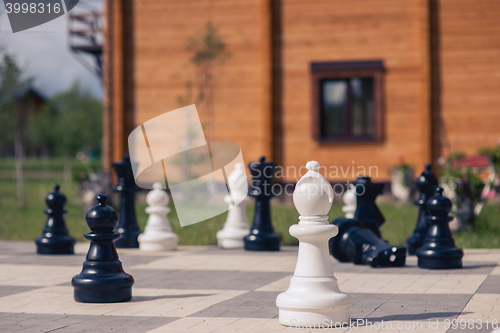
point(347, 102)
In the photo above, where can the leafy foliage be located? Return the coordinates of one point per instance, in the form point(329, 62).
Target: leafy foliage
point(493, 153)
point(70, 122)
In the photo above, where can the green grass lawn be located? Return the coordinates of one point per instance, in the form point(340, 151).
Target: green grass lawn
point(27, 224)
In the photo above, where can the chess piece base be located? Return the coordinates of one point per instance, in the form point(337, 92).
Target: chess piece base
point(262, 242)
point(315, 302)
point(158, 242)
point(102, 282)
point(231, 238)
point(414, 243)
point(449, 259)
point(51, 245)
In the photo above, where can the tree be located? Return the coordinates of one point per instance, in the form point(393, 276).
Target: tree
point(70, 122)
point(208, 52)
point(13, 113)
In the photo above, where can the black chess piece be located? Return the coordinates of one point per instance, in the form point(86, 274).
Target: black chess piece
point(366, 209)
point(102, 279)
point(439, 250)
point(262, 236)
point(426, 185)
point(55, 238)
point(360, 245)
point(127, 225)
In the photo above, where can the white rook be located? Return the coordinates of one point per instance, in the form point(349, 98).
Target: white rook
point(236, 226)
point(158, 235)
point(313, 297)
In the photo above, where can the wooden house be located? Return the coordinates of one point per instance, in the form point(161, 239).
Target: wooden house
point(349, 83)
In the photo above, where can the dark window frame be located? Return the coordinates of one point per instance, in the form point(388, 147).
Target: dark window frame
point(321, 71)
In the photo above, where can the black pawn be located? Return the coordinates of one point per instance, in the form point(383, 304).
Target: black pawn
point(439, 251)
point(366, 209)
point(362, 246)
point(102, 279)
point(426, 185)
point(262, 236)
point(55, 238)
point(127, 225)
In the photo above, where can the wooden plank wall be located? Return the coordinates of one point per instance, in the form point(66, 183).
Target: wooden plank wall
point(337, 30)
point(242, 99)
point(470, 74)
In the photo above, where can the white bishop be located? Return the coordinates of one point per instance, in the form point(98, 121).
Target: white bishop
point(313, 297)
point(236, 226)
point(158, 235)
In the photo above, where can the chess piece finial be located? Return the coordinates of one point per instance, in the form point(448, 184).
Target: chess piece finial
point(262, 236)
point(127, 225)
point(55, 238)
point(102, 279)
point(313, 295)
point(236, 226)
point(158, 235)
point(349, 199)
point(366, 209)
point(426, 185)
point(439, 250)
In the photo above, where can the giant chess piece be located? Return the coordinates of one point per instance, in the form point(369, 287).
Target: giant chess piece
point(366, 209)
point(349, 202)
point(102, 279)
point(313, 296)
point(158, 235)
point(426, 185)
point(236, 226)
point(362, 246)
point(439, 251)
point(262, 236)
point(55, 238)
point(127, 225)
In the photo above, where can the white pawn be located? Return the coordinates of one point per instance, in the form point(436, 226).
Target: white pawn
point(158, 235)
point(350, 202)
point(313, 297)
point(236, 226)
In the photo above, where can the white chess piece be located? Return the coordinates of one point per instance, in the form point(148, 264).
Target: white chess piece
point(236, 226)
point(158, 235)
point(350, 202)
point(313, 297)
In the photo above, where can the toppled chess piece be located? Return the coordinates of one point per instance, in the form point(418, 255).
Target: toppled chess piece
point(349, 202)
point(157, 235)
point(55, 238)
point(366, 209)
point(439, 250)
point(262, 236)
point(127, 225)
point(313, 296)
point(236, 226)
point(426, 185)
point(362, 246)
point(102, 279)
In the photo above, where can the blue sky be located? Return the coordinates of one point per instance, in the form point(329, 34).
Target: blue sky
point(44, 52)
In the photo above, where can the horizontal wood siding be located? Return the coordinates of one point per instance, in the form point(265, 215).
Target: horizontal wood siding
point(242, 98)
point(343, 30)
point(470, 71)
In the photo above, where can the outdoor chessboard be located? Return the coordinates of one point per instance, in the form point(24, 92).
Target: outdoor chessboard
point(206, 289)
